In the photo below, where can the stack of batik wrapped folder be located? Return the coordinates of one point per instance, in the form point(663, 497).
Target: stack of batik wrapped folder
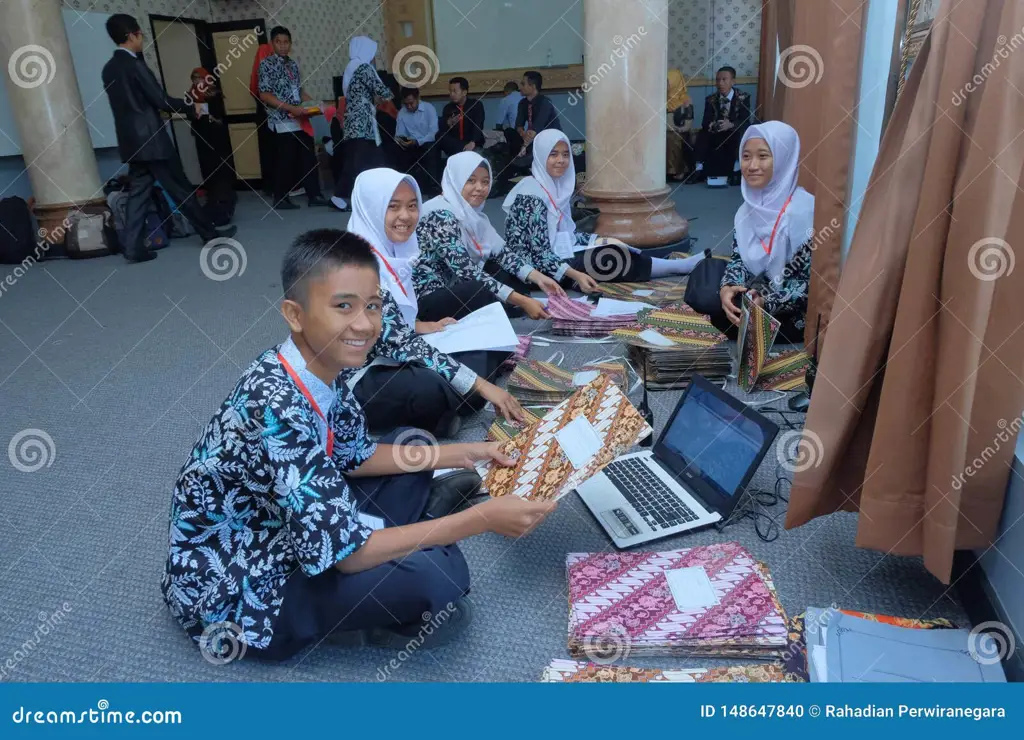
point(573, 671)
point(572, 318)
point(660, 292)
point(687, 345)
point(542, 383)
point(629, 603)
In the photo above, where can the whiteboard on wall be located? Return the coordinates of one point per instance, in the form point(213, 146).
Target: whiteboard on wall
point(470, 35)
point(91, 48)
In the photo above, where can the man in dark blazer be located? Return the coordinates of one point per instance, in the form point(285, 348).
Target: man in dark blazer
point(727, 114)
point(462, 120)
point(137, 100)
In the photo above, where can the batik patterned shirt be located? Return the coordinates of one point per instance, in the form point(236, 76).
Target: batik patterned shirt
point(526, 235)
point(258, 500)
point(360, 112)
point(786, 301)
point(280, 77)
point(445, 259)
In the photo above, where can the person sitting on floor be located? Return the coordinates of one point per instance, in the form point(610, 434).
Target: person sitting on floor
point(507, 114)
point(288, 523)
point(462, 120)
point(459, 247)
point(774, 234)
point(428, 389)
point(415, 135)
point(540, 229)
point(536, 111)
point(727, 114)
point(679, 111)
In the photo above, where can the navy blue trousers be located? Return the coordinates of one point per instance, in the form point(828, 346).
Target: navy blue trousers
point(395, 594)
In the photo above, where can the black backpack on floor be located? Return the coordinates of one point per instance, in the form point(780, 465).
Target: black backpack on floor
point(17, 237)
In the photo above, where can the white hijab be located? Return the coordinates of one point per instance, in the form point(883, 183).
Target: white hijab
point(371, 195)
point(756, 218)
point(547, 188)
point(361, 50)
point(476, 227)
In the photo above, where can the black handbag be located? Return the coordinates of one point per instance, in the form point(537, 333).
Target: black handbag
point(704, 284)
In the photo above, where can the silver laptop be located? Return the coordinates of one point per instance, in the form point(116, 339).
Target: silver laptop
point(693, 477)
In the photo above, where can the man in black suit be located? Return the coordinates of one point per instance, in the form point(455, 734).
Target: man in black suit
point(137, 99)
point(727, 114)
point(462, 120)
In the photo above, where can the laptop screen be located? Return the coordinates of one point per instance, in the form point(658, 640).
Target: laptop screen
point(716, 442)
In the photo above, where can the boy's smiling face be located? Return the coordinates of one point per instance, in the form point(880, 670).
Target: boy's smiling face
point(339, 320)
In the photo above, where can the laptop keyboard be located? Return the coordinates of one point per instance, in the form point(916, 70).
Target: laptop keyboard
point(648, 494)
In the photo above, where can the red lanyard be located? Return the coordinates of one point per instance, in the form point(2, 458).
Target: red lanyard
point(555, 205)
point(309, 397)
point(476, 244)
point(462, 126)
point(771, 240)
point(390, 269)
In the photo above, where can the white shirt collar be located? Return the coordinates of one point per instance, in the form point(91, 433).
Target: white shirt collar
point(732, 91)
point(324, 395)
point(128, 51)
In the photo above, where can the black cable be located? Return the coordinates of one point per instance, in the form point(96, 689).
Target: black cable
point(755, 500)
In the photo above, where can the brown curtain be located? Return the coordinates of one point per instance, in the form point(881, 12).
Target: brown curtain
point(766, 62)
point(919, 390)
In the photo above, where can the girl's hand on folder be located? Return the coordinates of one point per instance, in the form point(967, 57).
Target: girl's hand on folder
point(549, 285)
point(503, 401)
point(512, 516)
point(469, 453)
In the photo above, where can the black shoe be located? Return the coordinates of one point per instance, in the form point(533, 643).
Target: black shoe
point(142, 256)
point(453, 492)
point(286, 205)
point(317, 202)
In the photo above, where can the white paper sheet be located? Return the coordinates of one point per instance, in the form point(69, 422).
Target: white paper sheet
point(691, 588)
point(615, 307)
point(487, 328)
point(579, 441)
point(656, 338)
point(819, 664)
point(643, 293)
point(584, 376)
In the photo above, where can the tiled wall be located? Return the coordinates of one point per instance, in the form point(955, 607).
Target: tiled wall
point(707, 34)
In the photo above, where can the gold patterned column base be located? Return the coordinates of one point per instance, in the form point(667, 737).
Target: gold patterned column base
point(639, 219)
point(53, 218)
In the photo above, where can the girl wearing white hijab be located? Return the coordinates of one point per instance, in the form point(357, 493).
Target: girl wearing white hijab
point(774, 232)
point(428, 389)
point(362, 89)
point(541, 231)
point(462, 254)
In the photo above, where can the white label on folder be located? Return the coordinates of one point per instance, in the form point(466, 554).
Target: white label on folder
point(643, 293)
point(579, 441)
point(585, 376)
point(656, 338)
point(691, 588)
point(373, 522)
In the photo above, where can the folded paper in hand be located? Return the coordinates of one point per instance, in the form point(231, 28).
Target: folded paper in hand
point(544, 468)
point(487, 328)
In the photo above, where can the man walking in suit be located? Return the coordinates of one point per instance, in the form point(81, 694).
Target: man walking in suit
point(137, 99)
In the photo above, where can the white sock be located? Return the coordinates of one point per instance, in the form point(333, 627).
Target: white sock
point(664, 268)
point(340, 202)
point(700, 167)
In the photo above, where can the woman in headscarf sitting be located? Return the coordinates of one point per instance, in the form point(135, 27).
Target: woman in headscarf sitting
point(680, 152)
point(363, 89)
point(774, 233)
point(540, 230)
point(427, 389)
point(459, 247)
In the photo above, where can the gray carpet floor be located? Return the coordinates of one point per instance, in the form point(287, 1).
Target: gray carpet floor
point(121, 365)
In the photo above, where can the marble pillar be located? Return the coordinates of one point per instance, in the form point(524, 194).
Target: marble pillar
point(47, 106)
point(625, 81)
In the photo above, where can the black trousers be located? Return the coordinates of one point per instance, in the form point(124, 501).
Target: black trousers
point(503, 276)
point(265, 141)
point(450, 145)
point(611, 264)
point(296, 162)
point(142, 176)
point(360, 155)
point(395, 594)
point(718, 150)
point(455, 302)
point(423, 162)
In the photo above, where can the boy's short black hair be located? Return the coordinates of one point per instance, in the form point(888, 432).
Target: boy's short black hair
point(461, 82)
point(511, 86)
point(534, 78)
point(280, 31)
point(730, 70)
point(319, 250)
point(407, 91)
point(120, 26)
